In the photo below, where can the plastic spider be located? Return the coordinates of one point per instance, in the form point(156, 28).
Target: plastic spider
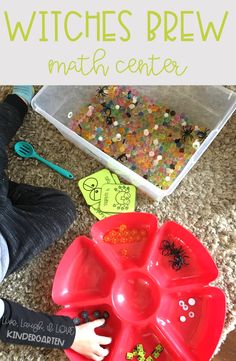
point(109, 120)
point(187, 132)
point(102, 91)
point(122, 157)
point(178, 261)
point(202, 135)
point(177, 253)
point(167, 248)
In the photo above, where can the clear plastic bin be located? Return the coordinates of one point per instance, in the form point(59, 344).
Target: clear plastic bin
point(209, 106)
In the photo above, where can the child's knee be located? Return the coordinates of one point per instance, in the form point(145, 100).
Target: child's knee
point(68, 206)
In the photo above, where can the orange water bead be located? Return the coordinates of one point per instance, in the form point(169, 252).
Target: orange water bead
point(155, 108)
point(87, 134)
point(112, 92)
point(113, 233)
point(122, 227)
point(143, 232)
point(107, 239)
point(108, 142)
point(106, 150)
point(131, 139)
point(121, 131)
point(124, 252)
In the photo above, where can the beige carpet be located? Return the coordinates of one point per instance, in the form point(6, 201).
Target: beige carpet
point(204, 203)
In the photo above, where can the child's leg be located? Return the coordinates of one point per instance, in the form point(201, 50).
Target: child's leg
point(35, 217)
point(30, 218)
point(12, 113)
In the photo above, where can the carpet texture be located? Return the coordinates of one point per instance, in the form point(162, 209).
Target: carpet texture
point(204, 203)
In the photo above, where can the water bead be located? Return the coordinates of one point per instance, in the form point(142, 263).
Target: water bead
point(146, 132)
point(151, 153)
point(117, 106)
point(159, 157)
point(196, 144)
point(166, 115)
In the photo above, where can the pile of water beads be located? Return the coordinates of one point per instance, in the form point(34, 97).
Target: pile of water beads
point(147, 137)
point(123, 234)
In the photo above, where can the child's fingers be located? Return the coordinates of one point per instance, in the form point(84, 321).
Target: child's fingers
point(103, 340)
point(102, 352)
point(97, 323)
point(97, 358)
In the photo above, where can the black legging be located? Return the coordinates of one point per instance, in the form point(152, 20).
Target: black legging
point(31, 218)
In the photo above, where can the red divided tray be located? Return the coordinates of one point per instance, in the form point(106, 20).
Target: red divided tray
point(150, 300)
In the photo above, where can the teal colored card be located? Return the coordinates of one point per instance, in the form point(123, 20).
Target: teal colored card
point(91, 186)
point(118, 198)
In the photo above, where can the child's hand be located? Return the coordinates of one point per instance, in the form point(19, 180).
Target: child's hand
point(87, 343)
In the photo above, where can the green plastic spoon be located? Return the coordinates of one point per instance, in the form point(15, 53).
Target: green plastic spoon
point(26, 150)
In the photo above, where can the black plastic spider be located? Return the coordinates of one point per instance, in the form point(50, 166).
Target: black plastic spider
point(170, 250)
point(122, 157)
point(178, 261)
point(202, 135)
point(109, 120)
point(102, 91)
point(167, 248)
point(187, 132)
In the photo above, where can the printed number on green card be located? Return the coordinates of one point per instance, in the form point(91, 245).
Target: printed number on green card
point(118, 198)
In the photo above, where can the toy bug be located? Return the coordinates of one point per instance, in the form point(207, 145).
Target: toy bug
point(122, 157)
point(109, 120)
point(178, 261)
point(187, 132)
point(179, 257)
point(202, 135)
point(102, 91)
point(166, 248)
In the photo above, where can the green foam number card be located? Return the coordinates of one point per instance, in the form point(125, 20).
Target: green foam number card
point(116, 178)
point(118, 198)
point(95, 210)
point(91, 186)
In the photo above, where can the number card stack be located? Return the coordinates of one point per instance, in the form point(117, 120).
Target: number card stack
point(106, 195)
